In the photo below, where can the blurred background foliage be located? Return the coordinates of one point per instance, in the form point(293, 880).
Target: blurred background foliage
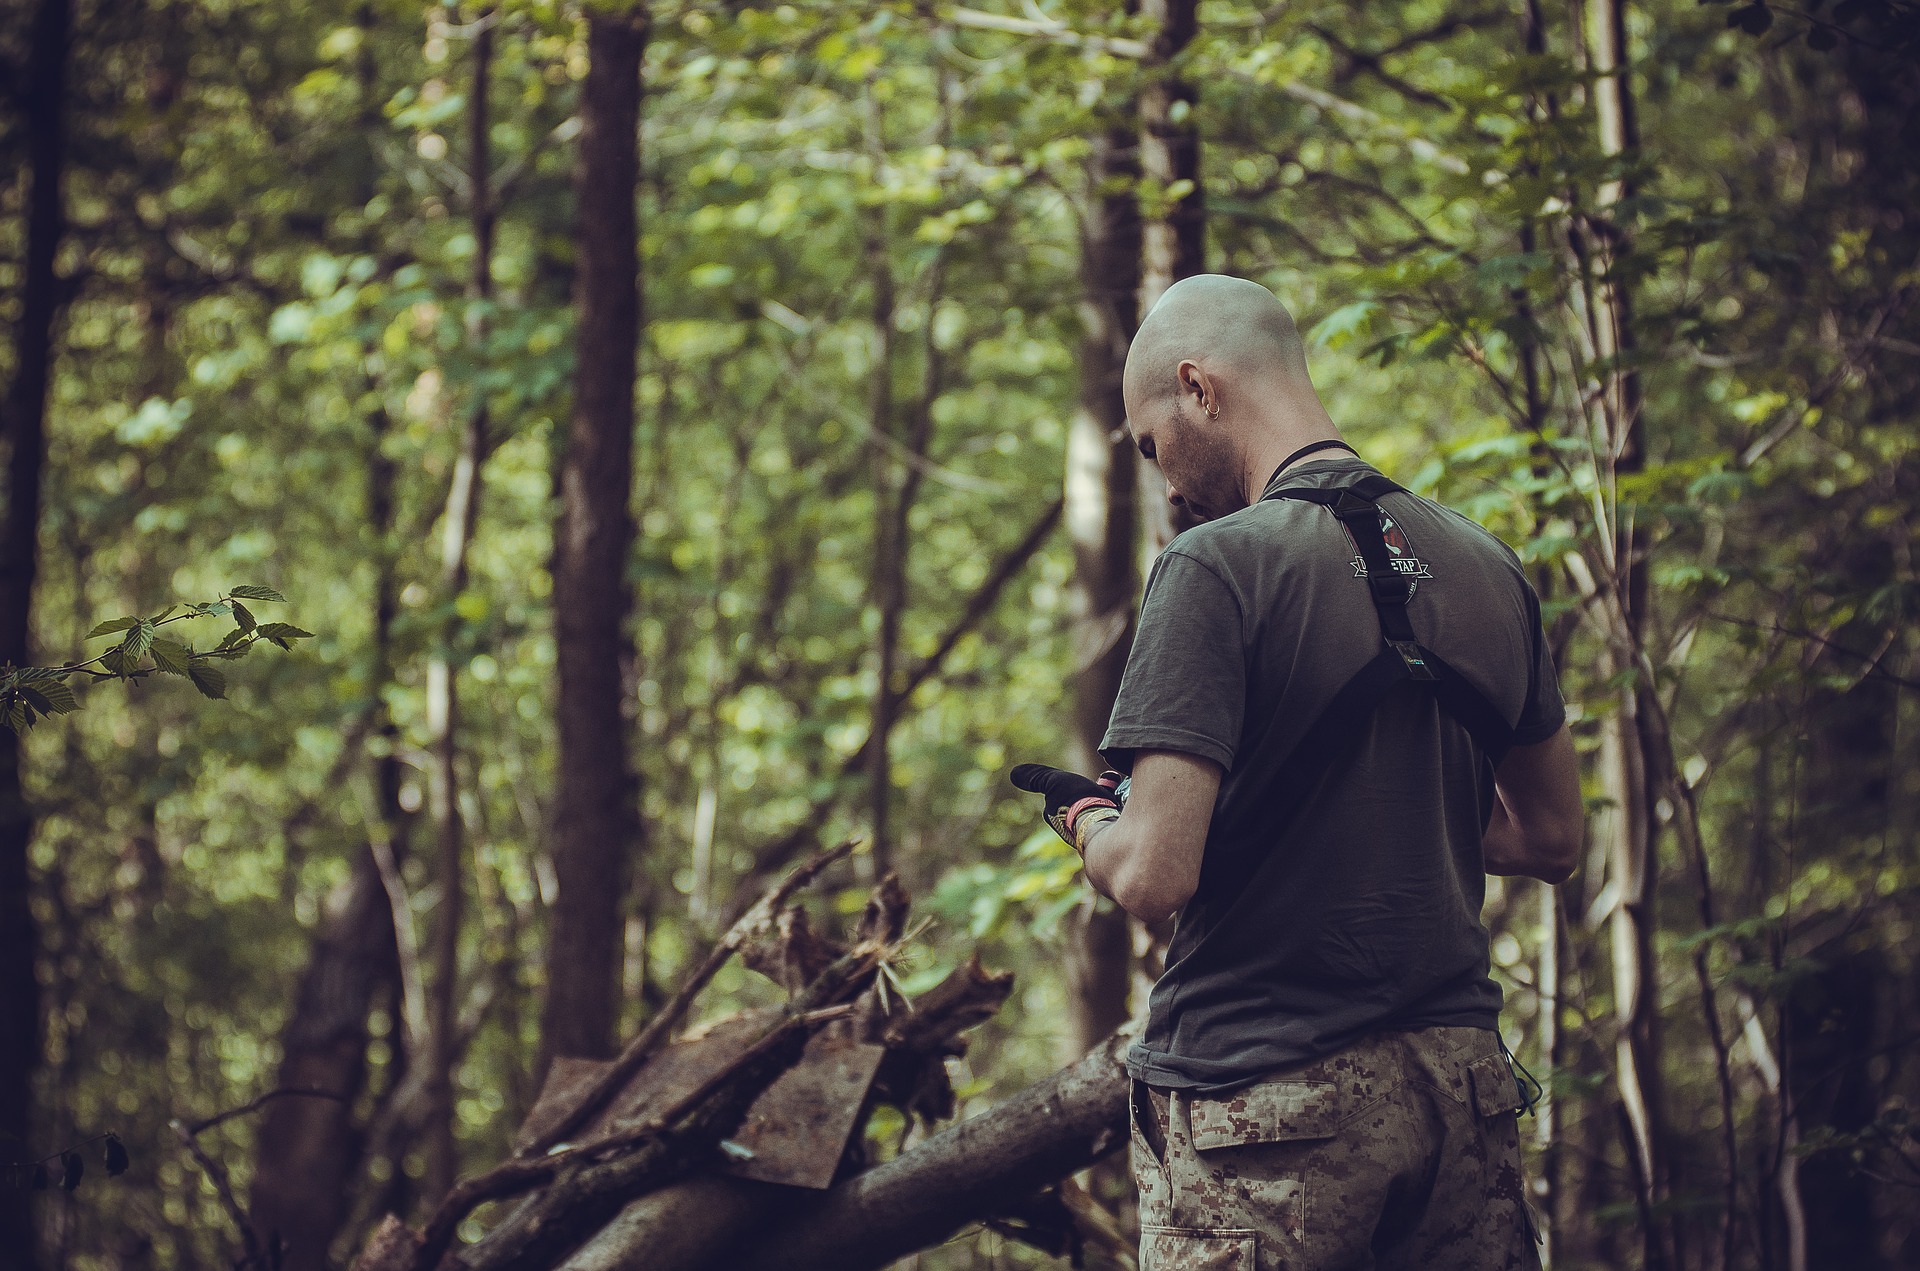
point(268, 348)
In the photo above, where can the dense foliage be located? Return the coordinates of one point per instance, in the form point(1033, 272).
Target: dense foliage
point(1675, 367)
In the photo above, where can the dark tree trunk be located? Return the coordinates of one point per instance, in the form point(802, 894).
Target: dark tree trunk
point(596, 824)
point(459, 520)
point(888, 584)
point(24, 429)
point(1102, 515)
point(309, 1150)
point(1174, 243)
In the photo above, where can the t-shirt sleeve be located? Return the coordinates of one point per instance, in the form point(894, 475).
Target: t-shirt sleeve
point(1544, 711)
point(1185, 684)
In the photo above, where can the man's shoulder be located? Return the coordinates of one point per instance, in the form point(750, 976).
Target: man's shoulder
point(1263, 528)
point(1461, 530)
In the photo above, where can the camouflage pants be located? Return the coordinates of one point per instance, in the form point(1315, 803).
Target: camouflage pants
point(1401, 1152)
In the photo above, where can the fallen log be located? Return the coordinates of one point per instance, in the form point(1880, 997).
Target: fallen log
point(963, 1174)
point(970, 1172)
point(743, 1144)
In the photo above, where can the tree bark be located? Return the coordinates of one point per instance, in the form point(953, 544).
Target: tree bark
point(1175, 241)
point(458, 520)
point(25, 433)
point(596, 819)
point(1629, 824)
point(1102, 516)
point(965, 1173)
point(887, 587)
point(309, 1150)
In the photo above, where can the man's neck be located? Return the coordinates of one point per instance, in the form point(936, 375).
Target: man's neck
point(1277, 452)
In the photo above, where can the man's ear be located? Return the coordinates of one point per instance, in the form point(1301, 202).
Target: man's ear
point(1197, 384)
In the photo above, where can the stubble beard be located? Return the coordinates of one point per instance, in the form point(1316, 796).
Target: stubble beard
point(1215, 473)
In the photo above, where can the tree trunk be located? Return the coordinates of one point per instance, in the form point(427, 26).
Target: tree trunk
point(1175, 240)
point(25, 433)
point(596, 819)
point(308, 1151)
point(1102, 515)
point(888, 584)
point(458, 520)
point(1629, 825)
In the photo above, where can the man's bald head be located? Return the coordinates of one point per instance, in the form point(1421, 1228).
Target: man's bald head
point(1230, 324)
point(1217, 392)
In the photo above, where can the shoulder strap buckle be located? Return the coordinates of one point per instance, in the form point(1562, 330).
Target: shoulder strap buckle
point(1416, 660)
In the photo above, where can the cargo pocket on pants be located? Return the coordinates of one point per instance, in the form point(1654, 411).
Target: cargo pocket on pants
point(1197, 1249)
point(1253, 1139)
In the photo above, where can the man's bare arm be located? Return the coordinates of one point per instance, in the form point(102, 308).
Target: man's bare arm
point(1148, 861)
point(1539, 823)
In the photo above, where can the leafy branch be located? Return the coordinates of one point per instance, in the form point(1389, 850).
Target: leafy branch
point(28, 693)
point(36, 1175)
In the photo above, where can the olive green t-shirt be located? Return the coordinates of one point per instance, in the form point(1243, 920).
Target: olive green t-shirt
point(1363, 912)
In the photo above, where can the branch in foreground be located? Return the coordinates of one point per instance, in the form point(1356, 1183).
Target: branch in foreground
point(649, 1039)
point(967, 1173)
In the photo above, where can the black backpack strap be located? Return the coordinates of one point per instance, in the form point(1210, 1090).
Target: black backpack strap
point(1338, 729)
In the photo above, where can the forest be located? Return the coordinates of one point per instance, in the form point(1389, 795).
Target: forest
point(672, 453)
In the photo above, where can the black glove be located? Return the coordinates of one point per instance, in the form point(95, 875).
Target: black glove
point(1068, 796)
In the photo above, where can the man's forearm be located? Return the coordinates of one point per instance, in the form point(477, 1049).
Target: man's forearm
point(1506, 849)
point(1114, 869)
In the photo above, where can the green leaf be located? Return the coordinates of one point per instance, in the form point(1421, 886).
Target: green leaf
point(281, 632)
point(59, 698)
point(112, 625)
point(1345, 323)
point(243, 616)
point(171, 656)
point(138, 641)
point(208, 678)
point(258, 593)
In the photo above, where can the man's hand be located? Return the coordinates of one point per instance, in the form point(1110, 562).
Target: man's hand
point(1068, 797)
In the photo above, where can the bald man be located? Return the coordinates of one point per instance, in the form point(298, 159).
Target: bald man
point(1338, 716)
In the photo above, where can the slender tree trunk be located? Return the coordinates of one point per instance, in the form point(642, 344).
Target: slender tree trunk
point(1630, 825)
point(1102, 515)
point(596, 819)
point(1174, 244)
point(24, 430)
point(888, 584)
point(458, 521)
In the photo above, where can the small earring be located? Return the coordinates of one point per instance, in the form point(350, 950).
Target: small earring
point(1213, 412)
